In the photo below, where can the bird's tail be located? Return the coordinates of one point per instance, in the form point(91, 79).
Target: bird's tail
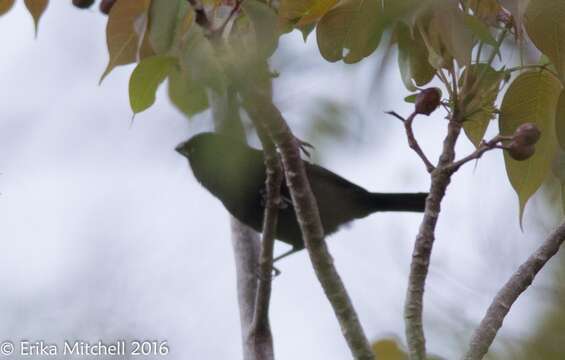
point(398, 202)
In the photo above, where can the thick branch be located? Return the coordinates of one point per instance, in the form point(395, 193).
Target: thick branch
point(260, 335)
point(441, 177)
point(245, 241)
point(261, 108)
point(518, 283)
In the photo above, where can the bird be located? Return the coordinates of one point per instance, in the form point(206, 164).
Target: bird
point(234, 173)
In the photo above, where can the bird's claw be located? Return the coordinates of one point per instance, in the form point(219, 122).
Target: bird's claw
point(304, 146)
point(274, 273)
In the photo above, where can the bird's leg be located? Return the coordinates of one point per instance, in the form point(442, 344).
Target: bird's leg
point(285, 254)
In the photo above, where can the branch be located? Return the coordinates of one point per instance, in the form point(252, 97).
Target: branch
point(260, 334)
point(245, 241)
point(483, 148)
point(260, 107)
point(518, 283)
point(412, 142)
point(413, 308)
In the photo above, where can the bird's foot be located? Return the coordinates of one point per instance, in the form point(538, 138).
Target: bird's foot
point(305, 146)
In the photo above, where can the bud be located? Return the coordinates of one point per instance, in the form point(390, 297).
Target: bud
point(527, 134)
point(83, 4)
point(106, 6)
point(427, 101)
point(519, 151)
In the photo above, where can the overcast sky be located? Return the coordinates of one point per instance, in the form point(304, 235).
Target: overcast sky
point(105, 234)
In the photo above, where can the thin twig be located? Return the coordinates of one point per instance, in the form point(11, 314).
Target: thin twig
point(518, 283)
point(483, 148)
point(412, 142)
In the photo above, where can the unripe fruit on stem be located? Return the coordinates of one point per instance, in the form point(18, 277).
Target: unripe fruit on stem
point(106, 6)
point(527, 134)
point(427, 101)
point(519, 151)
point(83, 4)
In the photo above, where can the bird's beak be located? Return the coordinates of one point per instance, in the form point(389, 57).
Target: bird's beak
point(180, 147)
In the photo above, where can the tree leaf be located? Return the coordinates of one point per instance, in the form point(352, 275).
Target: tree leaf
point(480, 30)
point(486, 10)
point(455, 36)
point(264, 20)
point(36, 8)
point(545, 24)
point(480, 103)
point(352, 29)
point(532, 97)
point(146, 78)
point(126, 24)
point(389, 349)
point(165, 18)
point(187, 95)
point(5, 6)
point(517, 8)
point(413, 57)
point(303, 12)
point(198, 60)
point(560, 121)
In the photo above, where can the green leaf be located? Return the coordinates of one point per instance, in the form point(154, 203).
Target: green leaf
point(165, 17)
point(413, 58)
point(532, 97)
point(303, 12)
point(545, 24)
point(198, 60)
point(352, 29)
point(480, 30)
point(264, 20)
point(5, 6)
point(480, 104)
point(126, 23)
point(36, 8)
point(411, 99)
point(146, 78)
point(560, 120)
point(187, 95)
point(454, 35)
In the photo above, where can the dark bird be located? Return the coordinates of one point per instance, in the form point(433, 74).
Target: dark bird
point(235, 173)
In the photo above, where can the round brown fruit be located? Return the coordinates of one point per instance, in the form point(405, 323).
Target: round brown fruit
point(527, 134)
point(519, 151)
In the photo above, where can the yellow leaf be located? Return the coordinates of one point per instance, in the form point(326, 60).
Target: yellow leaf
point(303, 12)
point(5, 5)
point(532, 97)
point(36, 9)
point(545, 24)
point(126, 23)
point(487, 10)
point(388, 349)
